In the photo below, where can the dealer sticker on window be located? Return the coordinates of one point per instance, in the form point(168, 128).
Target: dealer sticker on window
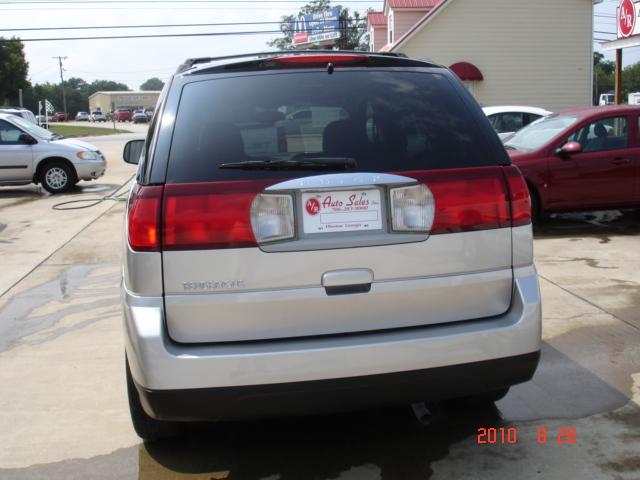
point(341, 211)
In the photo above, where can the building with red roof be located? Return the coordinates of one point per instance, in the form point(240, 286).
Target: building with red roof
point(507, 52)
point(377, 28)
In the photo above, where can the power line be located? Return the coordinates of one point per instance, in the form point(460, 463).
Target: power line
point(33, 29)
point(207, 34)
point(71, 2)
point(149, 9)
point(172, 69)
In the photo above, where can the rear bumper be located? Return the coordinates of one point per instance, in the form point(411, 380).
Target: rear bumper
point(167, 372)
point(342, 394)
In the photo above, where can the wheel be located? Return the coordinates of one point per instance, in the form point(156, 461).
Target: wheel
point(148, 429)
point(536, 210)
point(57, 177)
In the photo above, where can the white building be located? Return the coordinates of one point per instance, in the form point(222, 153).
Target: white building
point(508, 52)
point(112, 100)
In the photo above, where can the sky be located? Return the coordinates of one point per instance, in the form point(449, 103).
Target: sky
point(605, 21)
point(132, 61)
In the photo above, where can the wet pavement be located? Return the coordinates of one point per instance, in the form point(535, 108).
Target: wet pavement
point(63, 407)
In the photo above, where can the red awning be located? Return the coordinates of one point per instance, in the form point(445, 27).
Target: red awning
point(467, 71)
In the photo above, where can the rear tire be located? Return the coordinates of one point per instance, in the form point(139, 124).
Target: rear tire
point(536, 209)
point(148, 429)
point(57, 177)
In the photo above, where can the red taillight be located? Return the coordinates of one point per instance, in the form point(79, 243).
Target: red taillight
point(467, 199)
point(209, 215)
point(143, 218)
point(320, 59)
point(519, 195)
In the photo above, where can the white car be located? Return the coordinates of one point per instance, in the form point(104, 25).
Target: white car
point(607, 99)
point(509, 119)
point(30, 154)
point(82, 117)
point(139, 117)
point(98, 117)
point(20, 112)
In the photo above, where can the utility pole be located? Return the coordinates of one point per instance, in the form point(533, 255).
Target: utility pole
point(64, 97)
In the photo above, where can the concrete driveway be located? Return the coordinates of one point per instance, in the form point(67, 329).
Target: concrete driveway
point(63, 407)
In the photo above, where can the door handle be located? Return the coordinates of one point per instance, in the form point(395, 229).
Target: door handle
point(621, 161)
point(340, 282)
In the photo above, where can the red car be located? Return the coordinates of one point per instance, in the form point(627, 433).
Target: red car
point(60, 117)
point(581, 159)
point(122, 115)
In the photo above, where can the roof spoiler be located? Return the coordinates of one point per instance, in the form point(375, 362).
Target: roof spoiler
point(191, 62)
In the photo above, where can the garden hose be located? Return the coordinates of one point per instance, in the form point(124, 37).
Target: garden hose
point(92, 202)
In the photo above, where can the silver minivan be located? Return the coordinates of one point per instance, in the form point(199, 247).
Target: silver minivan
point(379, 253)
point(31, 154)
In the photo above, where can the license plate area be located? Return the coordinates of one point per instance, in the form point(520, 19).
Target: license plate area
point(368, 228)
point(340, 211)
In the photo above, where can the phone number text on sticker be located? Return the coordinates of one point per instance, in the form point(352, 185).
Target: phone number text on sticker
point(342, 211)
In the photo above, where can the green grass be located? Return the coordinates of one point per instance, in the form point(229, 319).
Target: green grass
point(71, 131)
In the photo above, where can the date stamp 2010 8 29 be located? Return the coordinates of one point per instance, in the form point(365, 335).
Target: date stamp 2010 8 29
point(509, 436)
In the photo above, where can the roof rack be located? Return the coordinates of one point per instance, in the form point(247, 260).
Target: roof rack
point(191, 62)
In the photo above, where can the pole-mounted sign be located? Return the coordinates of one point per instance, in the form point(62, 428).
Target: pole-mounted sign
point(319, 27)
point(628, 24)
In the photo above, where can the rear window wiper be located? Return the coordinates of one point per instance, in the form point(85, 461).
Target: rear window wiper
point(318, 163)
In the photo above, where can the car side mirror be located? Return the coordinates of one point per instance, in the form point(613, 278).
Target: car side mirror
point(132, 151)
point(27, 139)
point(569, 149)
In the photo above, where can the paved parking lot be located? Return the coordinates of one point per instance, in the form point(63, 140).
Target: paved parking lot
point(63, 406)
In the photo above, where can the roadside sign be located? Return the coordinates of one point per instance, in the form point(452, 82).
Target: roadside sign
point(316, 27)
point(627, 19)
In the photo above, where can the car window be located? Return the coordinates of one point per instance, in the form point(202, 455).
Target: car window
point(530, 118)
point(9, 134)
point(507, 122)
point(385, 120)
point(602, 135)
point(34, 130)
point(535, 135)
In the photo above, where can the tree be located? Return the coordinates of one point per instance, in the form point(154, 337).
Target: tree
point(152, 84)
point(630, 80)
point(350, 24)
point(106, 86)
point(13, 70)
point(603, 75)
point(77, 91)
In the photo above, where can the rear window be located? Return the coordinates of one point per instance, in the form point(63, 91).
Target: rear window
point(385, 120)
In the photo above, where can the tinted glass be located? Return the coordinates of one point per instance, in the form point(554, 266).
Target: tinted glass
point(385, 120)
point(507, 122)
point(602, 135)
point(530, 118)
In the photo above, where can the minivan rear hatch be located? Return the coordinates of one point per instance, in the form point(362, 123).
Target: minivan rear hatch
point(306, 202)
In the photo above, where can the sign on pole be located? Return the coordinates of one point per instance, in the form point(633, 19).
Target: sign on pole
point(322, 27)
point(627, 16)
